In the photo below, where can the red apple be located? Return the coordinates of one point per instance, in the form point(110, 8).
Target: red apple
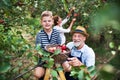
point(2, 21)
point(63, 47)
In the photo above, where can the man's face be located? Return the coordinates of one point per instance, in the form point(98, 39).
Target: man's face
point(78, 39)
point(47, 22)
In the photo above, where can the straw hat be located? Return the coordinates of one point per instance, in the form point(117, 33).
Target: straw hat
point(82, 30)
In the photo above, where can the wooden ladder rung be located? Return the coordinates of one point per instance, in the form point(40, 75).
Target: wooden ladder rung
point(61, 73)
point(47, 74)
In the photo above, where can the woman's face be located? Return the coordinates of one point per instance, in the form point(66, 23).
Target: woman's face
point(78, 39)
point(59, 20)
point(47, 22)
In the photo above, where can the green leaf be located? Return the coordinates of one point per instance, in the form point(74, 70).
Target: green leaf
point(40, 52)
point(26, 76)
point(82, 67)
point(18, 32)
point(1, 52)
point(8, 57)
point(76, 68)
point(6, 2)
point(45, 59)
point(20, 63)
point(15, 70)
point(111, 45)
point(29, 54)
point(38, 47)
point(93, 73)
point(50, 63)
point(2, 77)
point(54, 78)
point(13, 47)
point(119, 47)
point(54, 73)
point(4, 67)
point(65, 6)
point(81, 74)
point(59, 68)
point(73, 73)
point(91, 68)
point(87, 78)
point(58, 51)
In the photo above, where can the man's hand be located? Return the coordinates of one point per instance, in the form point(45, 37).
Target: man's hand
point(74, 61)
point(66, 66)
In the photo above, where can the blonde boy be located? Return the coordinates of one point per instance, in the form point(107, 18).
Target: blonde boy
point(46, 36)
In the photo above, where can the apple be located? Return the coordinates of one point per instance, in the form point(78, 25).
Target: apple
point(63, 47)
point(76, 14)
point(2, 21)
point(51, 49)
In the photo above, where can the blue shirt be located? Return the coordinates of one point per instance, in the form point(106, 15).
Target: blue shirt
point(44, 39)
point(86, 54)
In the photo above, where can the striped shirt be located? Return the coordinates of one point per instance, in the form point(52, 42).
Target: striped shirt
point(44, 39)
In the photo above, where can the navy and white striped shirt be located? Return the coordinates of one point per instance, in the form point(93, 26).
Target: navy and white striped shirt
point(42, 38)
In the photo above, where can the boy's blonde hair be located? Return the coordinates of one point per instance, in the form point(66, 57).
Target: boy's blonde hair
point(46, 13)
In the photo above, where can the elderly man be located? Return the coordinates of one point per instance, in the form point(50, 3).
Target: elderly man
point(81, 54)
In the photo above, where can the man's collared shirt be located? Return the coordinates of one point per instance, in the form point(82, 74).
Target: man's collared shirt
point(85, 54)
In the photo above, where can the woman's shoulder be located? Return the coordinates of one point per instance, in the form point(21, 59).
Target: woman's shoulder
point(56, 27)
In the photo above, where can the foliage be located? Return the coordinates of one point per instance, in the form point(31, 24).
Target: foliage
point(106, 23)
point(47, 57)
point(19, 23)
point(83, 73)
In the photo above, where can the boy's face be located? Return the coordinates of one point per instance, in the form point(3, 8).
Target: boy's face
point(47, 22)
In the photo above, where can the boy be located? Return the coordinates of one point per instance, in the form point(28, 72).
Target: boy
point(46, 36)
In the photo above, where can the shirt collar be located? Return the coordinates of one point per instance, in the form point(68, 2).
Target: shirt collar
point(82, 49)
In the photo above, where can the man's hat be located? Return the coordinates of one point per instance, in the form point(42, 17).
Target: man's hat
point(81, 30)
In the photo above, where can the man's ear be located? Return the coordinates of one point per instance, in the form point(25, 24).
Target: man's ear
point(84, 38)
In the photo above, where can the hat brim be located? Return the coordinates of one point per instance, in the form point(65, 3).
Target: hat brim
point(80, 31)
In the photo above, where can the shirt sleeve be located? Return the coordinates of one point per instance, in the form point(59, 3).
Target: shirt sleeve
point(60, 29)
point(64, 21)
point(59, 39)
point(90, 58)
point(38, 39)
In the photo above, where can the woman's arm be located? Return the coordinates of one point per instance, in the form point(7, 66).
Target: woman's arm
point(71, 24)
point(68, 16)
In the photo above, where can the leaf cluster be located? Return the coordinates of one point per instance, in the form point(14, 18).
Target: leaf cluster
point(83, 73)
